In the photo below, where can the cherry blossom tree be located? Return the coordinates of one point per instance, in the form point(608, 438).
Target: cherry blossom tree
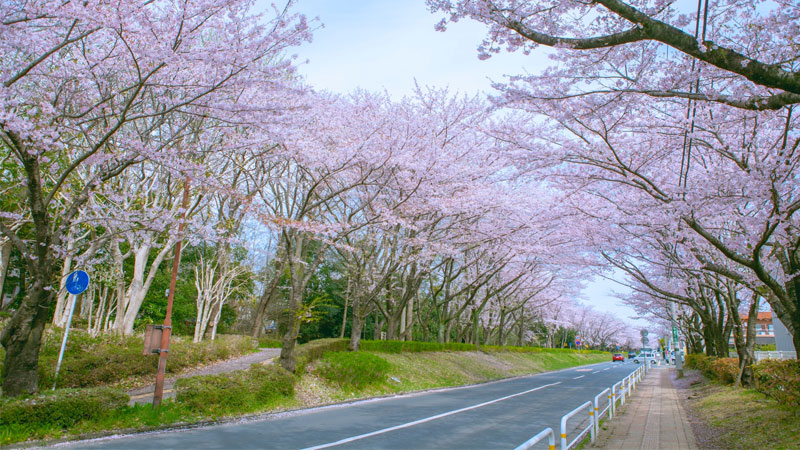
point(84, 82)
point(679, 120)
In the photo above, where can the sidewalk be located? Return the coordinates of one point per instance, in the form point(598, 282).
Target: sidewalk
point(145, 394)
point(653, 418)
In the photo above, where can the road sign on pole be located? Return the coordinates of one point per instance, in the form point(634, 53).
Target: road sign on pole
point(76, 284)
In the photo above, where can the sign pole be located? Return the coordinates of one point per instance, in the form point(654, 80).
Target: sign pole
point(166, 330)
point(77, 282)
point(64, 341)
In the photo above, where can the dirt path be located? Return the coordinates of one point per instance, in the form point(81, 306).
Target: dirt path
point(264, 355)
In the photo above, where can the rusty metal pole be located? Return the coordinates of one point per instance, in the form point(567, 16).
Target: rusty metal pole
point(166, 330)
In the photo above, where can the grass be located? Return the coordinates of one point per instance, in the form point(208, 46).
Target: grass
point(110, 360)
point(744, 418)
point(428, 370)
point(138, 417)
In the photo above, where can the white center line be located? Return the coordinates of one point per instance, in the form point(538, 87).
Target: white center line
point(579, 377)
point(427, 419)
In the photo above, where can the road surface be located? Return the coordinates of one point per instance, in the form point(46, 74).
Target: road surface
point(500, 414)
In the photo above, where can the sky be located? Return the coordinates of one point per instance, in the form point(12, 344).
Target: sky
point(388, 45)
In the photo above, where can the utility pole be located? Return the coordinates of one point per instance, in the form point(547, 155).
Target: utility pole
point(166, 329)
point(675, 341)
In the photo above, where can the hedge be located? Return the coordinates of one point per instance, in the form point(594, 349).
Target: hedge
point(779, 379)
point(237, 391)
point(63, 407)
point(312, 351)
point(353, 370)
point(415, 346)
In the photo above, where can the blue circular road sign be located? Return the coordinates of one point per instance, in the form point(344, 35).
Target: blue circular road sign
point(77, 282)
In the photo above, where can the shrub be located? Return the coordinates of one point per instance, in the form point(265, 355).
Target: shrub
point(703, 363)
point(269, 343)
point(238, 391)
point(353, 370)
point(414, 346)
point(779, 379)
point(725, 369)
point(312, 351)
point(692, 360)
point(63, 407)
point(91, 362)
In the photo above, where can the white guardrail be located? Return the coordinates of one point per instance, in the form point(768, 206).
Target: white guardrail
point(618, 392)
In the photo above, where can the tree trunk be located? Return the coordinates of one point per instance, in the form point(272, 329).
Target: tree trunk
point(409, 320)
point(267, 297)
point(355, 330)
point(344, 313)
point(5, 254)
point(62, 298)
point(22, 337)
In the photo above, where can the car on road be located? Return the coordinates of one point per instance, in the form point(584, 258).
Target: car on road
point(645, 356)
point(618, 357)
point(631, 355)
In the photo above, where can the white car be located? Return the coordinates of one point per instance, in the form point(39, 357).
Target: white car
point(647, 356)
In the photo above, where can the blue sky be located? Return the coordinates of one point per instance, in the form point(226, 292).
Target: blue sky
point(388, 44)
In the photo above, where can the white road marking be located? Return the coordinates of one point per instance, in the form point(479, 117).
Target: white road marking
point(427, 419)
point(579, 377)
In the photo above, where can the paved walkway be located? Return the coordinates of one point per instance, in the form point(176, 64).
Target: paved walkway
point(653, 419)
point(264, 355)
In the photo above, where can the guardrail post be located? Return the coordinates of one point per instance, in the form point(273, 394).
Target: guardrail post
point(597, 412)
point(613, 397)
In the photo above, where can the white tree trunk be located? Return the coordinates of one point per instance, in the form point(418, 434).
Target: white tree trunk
point(131, 301)
point(61, 313)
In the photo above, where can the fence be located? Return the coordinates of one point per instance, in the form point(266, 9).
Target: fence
point(774, 355)
point(626, 386)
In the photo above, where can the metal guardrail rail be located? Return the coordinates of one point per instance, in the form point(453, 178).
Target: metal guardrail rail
point(626, 386)
point(546, 433)
point(570, 414)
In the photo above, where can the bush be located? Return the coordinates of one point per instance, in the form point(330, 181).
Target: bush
point(353, 370)
point(414, 347)
point(779, 379)
point(312, 351)
point(238, 391)
point(703, 363)
point(725, 369)
point(91, 362)
point(62, 408)
point(692, 360)
point(269, 343)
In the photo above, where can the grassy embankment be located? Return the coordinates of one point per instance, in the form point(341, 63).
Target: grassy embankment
point(745, 419)
point(325, 375)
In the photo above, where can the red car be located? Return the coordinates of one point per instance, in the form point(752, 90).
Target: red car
point(617, 357)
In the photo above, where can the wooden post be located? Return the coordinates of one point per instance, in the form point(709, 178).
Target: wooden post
point(166, 331)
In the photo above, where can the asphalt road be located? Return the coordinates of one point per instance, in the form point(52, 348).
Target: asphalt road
point(501, 414)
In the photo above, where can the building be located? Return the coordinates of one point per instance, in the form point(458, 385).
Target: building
point(765, 330)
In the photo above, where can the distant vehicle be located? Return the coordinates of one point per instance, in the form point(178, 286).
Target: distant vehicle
point(617, 357)
point(645, 356)
point(631, 355)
